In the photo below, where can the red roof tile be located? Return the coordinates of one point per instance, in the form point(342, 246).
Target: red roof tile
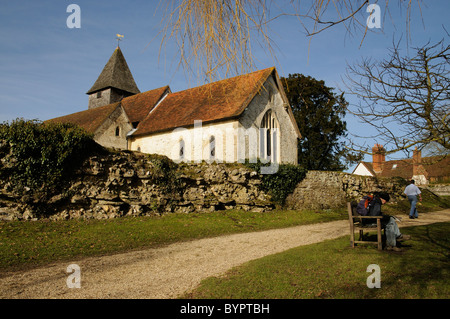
point(433, 166)
point(90, 119)
point(138, 106)
point(216, 101)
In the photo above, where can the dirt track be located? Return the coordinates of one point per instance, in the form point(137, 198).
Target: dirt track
point(170, 271)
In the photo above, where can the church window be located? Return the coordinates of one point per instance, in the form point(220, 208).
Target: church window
point(117, 131)
point(182, 146)
point(269, 140)
point(99, 94)
point(212, 148)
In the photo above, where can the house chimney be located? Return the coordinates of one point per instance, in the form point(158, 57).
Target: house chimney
point(378, 158)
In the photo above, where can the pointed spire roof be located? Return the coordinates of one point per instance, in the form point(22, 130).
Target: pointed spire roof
point(115, 74)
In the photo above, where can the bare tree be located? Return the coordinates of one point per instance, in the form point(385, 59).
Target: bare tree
point(215, 38)
point(406, 99)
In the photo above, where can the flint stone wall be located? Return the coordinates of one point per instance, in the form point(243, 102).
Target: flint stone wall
point(325, 190)
point(439, 189)
point(129, 184)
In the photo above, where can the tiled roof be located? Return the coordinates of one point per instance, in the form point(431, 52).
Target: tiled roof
point(90, 119)
point(221, 100)
point(434, 166)
point(402, 168)
point(138, 106)
point(115, 74)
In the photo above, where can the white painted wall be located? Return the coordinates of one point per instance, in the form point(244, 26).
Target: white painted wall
point(196, 142)
point(362, 170)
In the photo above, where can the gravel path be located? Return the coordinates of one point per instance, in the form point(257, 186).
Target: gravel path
point(172, 270)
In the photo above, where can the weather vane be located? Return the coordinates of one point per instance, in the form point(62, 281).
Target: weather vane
point(119, 38)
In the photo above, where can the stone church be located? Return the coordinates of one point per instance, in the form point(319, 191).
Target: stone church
point(246, 117)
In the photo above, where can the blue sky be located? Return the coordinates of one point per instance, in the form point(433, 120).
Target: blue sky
point(46, 68)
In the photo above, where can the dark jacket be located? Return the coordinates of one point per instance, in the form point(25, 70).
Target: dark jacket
point(374, 210)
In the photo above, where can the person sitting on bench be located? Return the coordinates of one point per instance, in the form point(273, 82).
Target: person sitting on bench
point(389, 224)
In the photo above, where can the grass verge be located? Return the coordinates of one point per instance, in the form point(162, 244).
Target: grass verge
point(30, 244)
point(332, 270)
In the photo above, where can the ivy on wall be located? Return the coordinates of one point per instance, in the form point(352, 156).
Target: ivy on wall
point(40, 156)
point(282, 183)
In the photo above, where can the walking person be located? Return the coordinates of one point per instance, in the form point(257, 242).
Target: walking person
point(412, 191)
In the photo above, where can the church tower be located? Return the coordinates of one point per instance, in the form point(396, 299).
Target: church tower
point(114, 83)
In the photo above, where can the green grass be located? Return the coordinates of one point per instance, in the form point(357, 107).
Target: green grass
point(29, 244)
point(325, 270)
point(332, 269)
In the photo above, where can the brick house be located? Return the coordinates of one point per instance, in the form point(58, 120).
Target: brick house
point(424, 170)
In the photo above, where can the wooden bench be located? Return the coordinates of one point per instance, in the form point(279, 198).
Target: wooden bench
point(355, 221)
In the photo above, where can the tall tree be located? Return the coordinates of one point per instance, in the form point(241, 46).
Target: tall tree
point(319, 113)
point(405, 98)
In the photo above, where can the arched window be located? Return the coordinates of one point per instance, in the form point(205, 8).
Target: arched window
point(212, 148)
point(182, 149)
point(269, 139)
point(117, 131)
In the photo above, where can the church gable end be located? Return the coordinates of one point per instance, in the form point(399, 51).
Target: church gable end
point(114, 129)
point(269, 113)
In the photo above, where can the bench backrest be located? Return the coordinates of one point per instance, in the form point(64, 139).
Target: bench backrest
point(352, 213)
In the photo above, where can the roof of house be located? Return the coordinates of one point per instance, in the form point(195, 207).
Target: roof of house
point(115, 74)
point(136, 107)
point(402, 168)
point(434, 166)
point(218, 101)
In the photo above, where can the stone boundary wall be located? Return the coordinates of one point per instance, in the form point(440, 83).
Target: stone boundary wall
point(325, 190)
point(130, 184)
point(439, 189)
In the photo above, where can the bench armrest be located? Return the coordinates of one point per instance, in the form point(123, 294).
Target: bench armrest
point(372, 217)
